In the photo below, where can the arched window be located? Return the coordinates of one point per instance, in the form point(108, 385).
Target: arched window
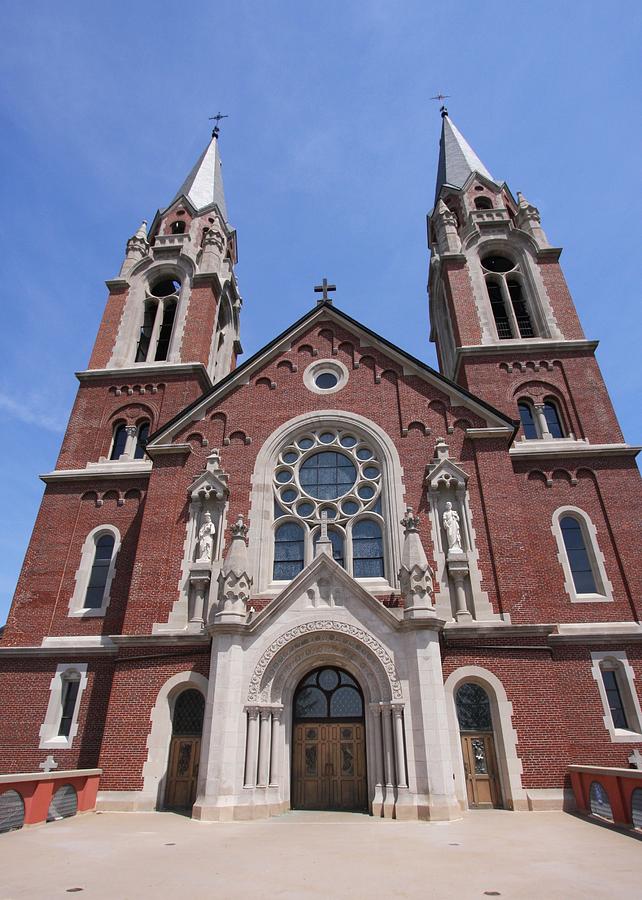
point(178, 227)
point(142, 435)
point(507, 301)
point(614, 695)
point(69, 696)
point(578, 558)
point(328, 694)
point(483, 203)
point(119, 441)
point(158, 320)
point(473, 708)
point(188, 713)
point(331, 474)
point(99, 572)
point(528, 421)
point(289, 550)
point(367, 549)
point(599, 802)
point(553, 420)
point(616, 685)
point(502, 323)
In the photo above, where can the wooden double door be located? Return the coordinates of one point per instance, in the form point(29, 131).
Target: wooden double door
point(182, 777)
point(480, 766)
point(329, 766)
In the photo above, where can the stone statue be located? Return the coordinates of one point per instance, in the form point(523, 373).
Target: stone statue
point(206, 534)
point(451, 524)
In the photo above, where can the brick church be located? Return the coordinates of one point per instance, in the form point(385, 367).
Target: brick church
point(331, 577)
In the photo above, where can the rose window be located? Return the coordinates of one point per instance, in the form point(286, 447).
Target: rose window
point(330, 475)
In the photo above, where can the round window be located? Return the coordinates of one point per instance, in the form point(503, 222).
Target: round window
point(327, 475)
point(165, 287)
point(497, 264)
point(325, 380)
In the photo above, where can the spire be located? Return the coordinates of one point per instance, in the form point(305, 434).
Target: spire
point(457, 159)
point(204, 184)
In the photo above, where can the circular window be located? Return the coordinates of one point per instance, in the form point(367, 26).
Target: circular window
point(497, 264)
point(325, 376)
point(327, 465)
point(325, 380)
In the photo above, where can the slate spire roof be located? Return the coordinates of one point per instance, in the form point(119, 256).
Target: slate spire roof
point(204, 184)
point(457, 159)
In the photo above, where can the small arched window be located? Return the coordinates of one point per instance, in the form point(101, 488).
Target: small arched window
point(289, 551)
point(69, 695)
point(119, 441)
point(178, 227)
point(158, 320)
point(505, 291)
point(367, 549)
point(99, 572)
point(528, 421)
point(483, 203)
point(188, 713)
point(553, 420)
point(473, 708)
point(142, 435)
point(578, 558)
point(611, 681)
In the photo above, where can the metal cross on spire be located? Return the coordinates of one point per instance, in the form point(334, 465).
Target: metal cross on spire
point(441, 98)
point(217, 118)
point(323, 288)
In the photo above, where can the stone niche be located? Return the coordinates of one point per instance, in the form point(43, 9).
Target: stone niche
point(458, 592)
point(203, 550)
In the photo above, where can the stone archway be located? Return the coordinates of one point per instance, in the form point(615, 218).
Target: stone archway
point(269, 708)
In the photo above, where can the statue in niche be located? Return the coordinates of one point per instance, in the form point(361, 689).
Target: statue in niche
point(450, 519)
point(205, 547)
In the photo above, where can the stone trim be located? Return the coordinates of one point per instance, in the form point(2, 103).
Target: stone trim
point(49, 737)
point(158, 741)
point(589, 533)
point(49, 776)
point(77, 600)
point(138, 469)
point(565, 447)
point(617, 661)
point(145, 369)
point(508, 762)
point(317, 367)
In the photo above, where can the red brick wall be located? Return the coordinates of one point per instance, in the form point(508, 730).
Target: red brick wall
point(106, 337)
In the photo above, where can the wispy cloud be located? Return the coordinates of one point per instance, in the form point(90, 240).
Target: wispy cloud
point(31, 411)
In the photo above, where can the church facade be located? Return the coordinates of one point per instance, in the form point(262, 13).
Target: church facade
point(332, 577)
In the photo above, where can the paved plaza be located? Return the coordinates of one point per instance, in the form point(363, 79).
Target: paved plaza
point(329, 855)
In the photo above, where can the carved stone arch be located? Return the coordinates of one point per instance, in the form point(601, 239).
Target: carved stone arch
point(130, 413)
point(330, 642)
point(562, 475)
point(537, 476)
point(347, 348)
point(286, 365)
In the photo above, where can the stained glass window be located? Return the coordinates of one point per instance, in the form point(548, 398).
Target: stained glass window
point(473, 708)
point(578, 558)
point(70, 687)
point(328, 693)
point(289, 548)
point(99, 572)
point(367, 549)
point(188, 713)
point(141, 440)
point(327, 475)
point(119, 442)
point(336, 539)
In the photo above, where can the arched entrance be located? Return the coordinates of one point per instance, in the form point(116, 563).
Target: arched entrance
point(328, 749)
point(478, 746)
point(185, 750)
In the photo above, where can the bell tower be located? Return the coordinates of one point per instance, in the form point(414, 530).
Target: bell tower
point(501, 314)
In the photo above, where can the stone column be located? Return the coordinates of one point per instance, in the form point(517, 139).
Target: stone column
point(377, 800)
point(400, 756)
point(542, 424)
point(264, 747)
point(199, 580)
point(461, 607)
point(274, 747)
point(252, 744)
point(389, 802)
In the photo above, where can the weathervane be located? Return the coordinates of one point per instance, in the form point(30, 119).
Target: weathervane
point(217, 118)
point(441, 98)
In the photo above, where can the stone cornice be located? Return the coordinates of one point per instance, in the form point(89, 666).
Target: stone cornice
point(562, 448)
point(62, 650)
point(100, 470)
point(481, 433)
point(454, 631)
point(145, 371)
point(523, 347)
point(178, 639)
point(549, 253)
point(205, 279)
point(167, 449)
point(606, 770)
point(48, 776)
point(583, 633)
point(117, 284)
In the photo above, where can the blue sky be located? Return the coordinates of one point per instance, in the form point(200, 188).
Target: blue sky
point(329, 155)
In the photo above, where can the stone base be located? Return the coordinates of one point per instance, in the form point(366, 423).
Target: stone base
point(206, 812)
point(421, 807)
point(124, 801)
point(551, 799)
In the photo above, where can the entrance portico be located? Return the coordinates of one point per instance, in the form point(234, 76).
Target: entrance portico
point(325, 619)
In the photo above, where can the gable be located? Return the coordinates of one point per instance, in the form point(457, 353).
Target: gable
point(380, 377)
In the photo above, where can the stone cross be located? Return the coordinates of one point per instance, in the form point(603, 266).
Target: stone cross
point(48, 764)
point(323, 288)
point(636, 759)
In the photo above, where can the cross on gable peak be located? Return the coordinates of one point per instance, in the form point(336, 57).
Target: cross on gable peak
point(323, 289)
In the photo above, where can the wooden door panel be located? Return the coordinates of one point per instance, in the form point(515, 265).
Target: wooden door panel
point(480, 765)
point(329, 770)
point(183, 772)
